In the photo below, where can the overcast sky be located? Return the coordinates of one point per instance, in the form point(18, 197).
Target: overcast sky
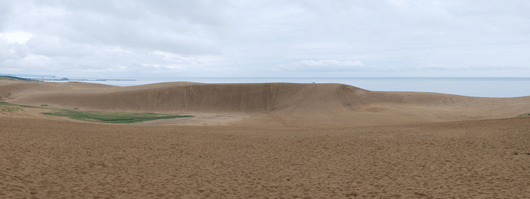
point(303, 38)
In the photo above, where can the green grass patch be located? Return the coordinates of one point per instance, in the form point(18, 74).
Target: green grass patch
point(524, 115)
point(112, 117)
point(94, 116)
point(24, 106)
point(44, 105)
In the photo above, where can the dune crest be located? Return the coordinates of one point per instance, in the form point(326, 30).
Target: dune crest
point(244, 98)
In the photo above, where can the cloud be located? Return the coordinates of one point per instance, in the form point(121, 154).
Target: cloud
point(263, 38)
point(467, 68)
point(183, 59)
point(324, 66)
point(16, 37)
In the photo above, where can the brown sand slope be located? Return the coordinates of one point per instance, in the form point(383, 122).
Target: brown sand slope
point(277, 103)
point(58, 159)
point(301, 141)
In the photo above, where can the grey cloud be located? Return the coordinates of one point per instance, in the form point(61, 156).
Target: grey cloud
point(5, 12)
point(263, 38)
point(324, 66)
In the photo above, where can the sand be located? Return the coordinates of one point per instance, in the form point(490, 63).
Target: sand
point(264, 141)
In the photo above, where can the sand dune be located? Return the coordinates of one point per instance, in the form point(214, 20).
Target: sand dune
point(57, 159)
point(279, 103)
point(264, 141)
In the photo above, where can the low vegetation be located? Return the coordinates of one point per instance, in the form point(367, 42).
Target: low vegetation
point(8, 77)
point(24, 106)
point(524, 115)
point(6, 108)
point(44, 105)
point(11, 109)
point(112, 117)
point(94, 116)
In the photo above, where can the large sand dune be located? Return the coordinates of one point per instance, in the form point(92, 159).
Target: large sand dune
point(293, 141)
point(288, 104)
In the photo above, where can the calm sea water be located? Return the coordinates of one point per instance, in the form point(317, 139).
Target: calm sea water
point(467, 86)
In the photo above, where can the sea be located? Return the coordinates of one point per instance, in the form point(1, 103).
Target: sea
point(498, 87)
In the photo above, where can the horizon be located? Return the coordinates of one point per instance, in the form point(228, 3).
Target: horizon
point(383, 38)
point(496, 87)
point(34, 76)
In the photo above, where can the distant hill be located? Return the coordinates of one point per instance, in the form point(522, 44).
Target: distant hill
point(26, 75)
point(8, 77)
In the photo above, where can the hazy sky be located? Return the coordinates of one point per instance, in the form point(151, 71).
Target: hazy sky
point(303, 38)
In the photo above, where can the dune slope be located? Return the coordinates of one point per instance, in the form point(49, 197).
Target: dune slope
point(299, 141)
point(289, 103)
point(59, 159)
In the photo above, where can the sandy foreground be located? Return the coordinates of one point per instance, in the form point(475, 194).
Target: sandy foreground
point(264, 141)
